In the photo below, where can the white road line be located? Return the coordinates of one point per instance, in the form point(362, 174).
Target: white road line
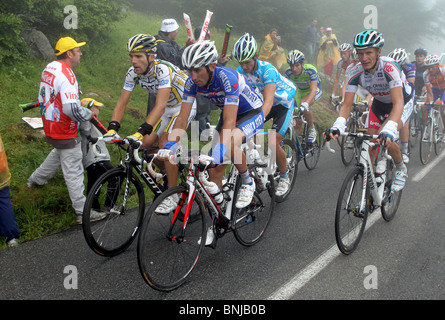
point(289, 289)
point(422, 173)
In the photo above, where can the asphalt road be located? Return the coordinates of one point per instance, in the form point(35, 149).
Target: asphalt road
point(296, 259)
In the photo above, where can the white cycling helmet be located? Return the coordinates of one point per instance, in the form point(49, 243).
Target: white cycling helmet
point(245, 48)
point(201, 53)
point(295, 56)
point(432, 59)
point(345, 47)
point(399, 55)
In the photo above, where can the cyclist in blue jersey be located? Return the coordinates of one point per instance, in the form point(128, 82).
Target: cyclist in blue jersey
point(278, 94)
point(409, 69)
point(241, 116)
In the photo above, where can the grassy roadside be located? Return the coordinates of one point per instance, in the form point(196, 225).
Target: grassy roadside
point(47, 209)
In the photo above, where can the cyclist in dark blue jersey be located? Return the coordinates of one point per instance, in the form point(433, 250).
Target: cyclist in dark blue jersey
point(241, 117)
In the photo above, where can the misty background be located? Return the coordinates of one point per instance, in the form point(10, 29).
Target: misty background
point(405, 24)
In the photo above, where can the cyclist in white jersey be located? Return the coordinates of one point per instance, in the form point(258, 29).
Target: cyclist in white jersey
point(393, 98)
point(156, 76)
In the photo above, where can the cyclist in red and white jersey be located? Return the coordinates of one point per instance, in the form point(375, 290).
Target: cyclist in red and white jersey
point(342, 65)
point(393, 98)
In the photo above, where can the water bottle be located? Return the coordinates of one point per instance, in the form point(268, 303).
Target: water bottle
point(380, 171)
point(212, 188)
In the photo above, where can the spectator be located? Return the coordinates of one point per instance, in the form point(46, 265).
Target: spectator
point(310, 38)
point(321, 32)
point(168, 50)
point(271, 51)
point(329, 52)
point(61, 113)
point(8, 225)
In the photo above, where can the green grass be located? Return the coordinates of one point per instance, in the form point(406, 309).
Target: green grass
point(47, 209)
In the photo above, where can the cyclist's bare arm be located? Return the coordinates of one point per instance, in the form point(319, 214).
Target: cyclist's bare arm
point(121, 105)
point(162, 97)
point(313, 92)
point(268, 94)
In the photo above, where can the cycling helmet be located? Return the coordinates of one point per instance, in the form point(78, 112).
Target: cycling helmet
point(294, 57)
point(420, 51)
point(141, 43)
point(245, 48)
point(201, 53)
point(399, 55)
point(432, 59)
point(345, 47)
point(369, 39)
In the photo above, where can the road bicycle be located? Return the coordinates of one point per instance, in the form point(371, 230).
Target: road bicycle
point(170, 245)
point(120, 193)
point(348, 146)
point(363, 191)
point(264, 157)
point(433, 133)
point(308, 151)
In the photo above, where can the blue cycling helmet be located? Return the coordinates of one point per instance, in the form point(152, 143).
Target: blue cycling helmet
point(369, 39)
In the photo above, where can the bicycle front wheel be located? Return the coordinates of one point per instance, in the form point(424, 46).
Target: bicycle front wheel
point(391, 200)
point(312, 149)
point(124, 202)
point(347, 145)
point(414, 129)
point(438, 136)
point(426, 145)
point(169, 247)
point(350, 219)
point(250, 223)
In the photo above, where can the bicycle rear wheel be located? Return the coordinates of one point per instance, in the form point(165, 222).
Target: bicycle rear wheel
point(312, 150)
point(168, 250)
point(250, 223)
point(350, 221)
point(426, 145)
point(391, 200)
point(124, 202)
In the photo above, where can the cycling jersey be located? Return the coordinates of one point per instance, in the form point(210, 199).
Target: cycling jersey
point(265, 74)
point(303, 82)
point(436, 81)
point(388, 75)
point(409, 70)
point(343, 65)
point(361, 93)
point(58, 86)
point(227, 87)
point(161, 75)
point(420, 69)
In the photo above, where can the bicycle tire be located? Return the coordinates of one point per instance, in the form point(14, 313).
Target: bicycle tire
point(166, 259)
point(292, 158)
point(438, 136)
point(250, 223)
point(312, 150)
point(426, 146)
point(391, 200)
point(349, 222)
point(115, 233)
point(347, 144)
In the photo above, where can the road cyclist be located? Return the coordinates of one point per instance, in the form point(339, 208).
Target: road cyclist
point(278, 94)
point(241, 117)
point(167, 82)
point(434, 78)
point(306, 79)
point(393, 98)
point(342, 64)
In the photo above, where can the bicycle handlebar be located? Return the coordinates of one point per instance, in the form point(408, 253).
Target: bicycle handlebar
point(135, 145)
